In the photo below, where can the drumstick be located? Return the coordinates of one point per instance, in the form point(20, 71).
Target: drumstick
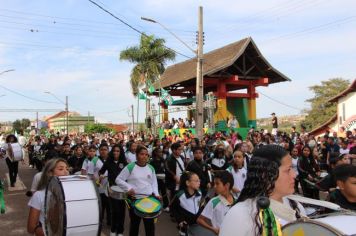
point(329, 205)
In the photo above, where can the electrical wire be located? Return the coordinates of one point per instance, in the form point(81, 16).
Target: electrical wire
point(135, 29)
point(25, 96)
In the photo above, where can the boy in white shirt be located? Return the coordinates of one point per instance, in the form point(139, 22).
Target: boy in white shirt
point(216, 209)
point(92, 164)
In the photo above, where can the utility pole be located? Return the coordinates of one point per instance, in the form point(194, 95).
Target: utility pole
point(88, 116)
point(37, 129)
point(133, 117)
point(67, 111)
point(199, 82)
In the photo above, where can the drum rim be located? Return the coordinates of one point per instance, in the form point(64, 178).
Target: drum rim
point(306, 220)
point(55, 178)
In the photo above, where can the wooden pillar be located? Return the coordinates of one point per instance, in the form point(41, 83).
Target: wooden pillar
point(164, 112)
point(251, 90)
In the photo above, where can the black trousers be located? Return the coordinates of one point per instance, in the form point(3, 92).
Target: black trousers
point(105, 207)
point(13, 170)
point(163, 190)
point(135, 224)
point(118, 209)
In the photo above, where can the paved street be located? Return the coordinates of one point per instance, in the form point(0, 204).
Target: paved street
point(14, 221)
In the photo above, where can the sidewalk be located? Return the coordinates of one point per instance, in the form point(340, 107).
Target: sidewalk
point(14, 221)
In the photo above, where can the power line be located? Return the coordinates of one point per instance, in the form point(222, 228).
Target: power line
point(135, 29)
point(25, 96)
point(315, 28)
point(282, 103)
point(71, 19)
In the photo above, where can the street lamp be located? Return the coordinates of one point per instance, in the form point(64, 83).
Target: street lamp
point(199, 93)
point(66, 107)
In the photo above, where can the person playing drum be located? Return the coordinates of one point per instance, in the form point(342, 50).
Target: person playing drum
point(35, 223)
point(139, 180)
point(114, 165)
point(269, 174)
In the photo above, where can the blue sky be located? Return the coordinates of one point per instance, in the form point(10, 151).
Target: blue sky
point(71, 47)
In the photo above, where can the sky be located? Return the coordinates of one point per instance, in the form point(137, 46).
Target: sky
point(71, 48)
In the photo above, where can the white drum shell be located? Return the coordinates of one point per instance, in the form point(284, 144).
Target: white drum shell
point(17, 151)
point(332, 225)
point(81, 206)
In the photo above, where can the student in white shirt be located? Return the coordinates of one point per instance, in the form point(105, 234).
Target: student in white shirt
point(35, 222)
point(238, 172)
point(130, 154)
point(216, 209)
point(269, 174)
point(92, 164)
point(139, 179)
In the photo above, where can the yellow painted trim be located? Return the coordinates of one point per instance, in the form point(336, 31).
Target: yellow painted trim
point(251, 109)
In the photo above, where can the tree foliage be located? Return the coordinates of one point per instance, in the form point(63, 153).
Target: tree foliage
point(21, 125)
point(96, 128)
point(150, 57)
point(321, 110)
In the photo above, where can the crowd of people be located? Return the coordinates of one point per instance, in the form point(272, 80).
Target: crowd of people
point(204, 185)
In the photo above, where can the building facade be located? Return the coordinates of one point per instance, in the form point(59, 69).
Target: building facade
point(76, 122)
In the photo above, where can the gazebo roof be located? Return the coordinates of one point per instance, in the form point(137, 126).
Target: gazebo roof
point(241, 58)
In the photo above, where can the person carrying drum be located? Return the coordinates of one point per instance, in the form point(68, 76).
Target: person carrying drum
point(187, 205)
point(158, 164)
point(35, 223)
point(269, 175)
point(13, 155)
point(139, 180)
point(114, 165)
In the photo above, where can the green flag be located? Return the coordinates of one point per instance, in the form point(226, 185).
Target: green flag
point(166, 97)
point(150, 86)
point(141, 95)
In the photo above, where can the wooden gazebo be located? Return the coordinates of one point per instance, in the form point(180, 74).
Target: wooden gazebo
point(232, 73)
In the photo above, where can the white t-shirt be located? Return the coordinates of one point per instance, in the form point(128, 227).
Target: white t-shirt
point(37, 202)
point(35, 181)
point(245, 213)
point(216, 210)
point(179, 172)
point(239, 177)
point(142, 179)
point(91, 168)
point(130, 157)
point(295, 165)
point(344, 151)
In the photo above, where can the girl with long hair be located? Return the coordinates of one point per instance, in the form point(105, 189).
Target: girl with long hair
point(114, 165)
point(35, 222)
point(309, 173)
point(270, 177)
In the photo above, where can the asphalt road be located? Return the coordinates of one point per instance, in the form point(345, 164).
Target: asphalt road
point(14, 221)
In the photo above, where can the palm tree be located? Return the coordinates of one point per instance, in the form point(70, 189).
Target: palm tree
point(150, 58)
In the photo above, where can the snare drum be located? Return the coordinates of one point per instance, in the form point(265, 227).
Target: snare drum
point(147, 207)
point(117, 193)
point(332, 225)
point(161, 176)
point(72, 207)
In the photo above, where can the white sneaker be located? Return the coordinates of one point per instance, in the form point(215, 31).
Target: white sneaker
point(166, 209)
point(120, 235)
point(112, 234)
